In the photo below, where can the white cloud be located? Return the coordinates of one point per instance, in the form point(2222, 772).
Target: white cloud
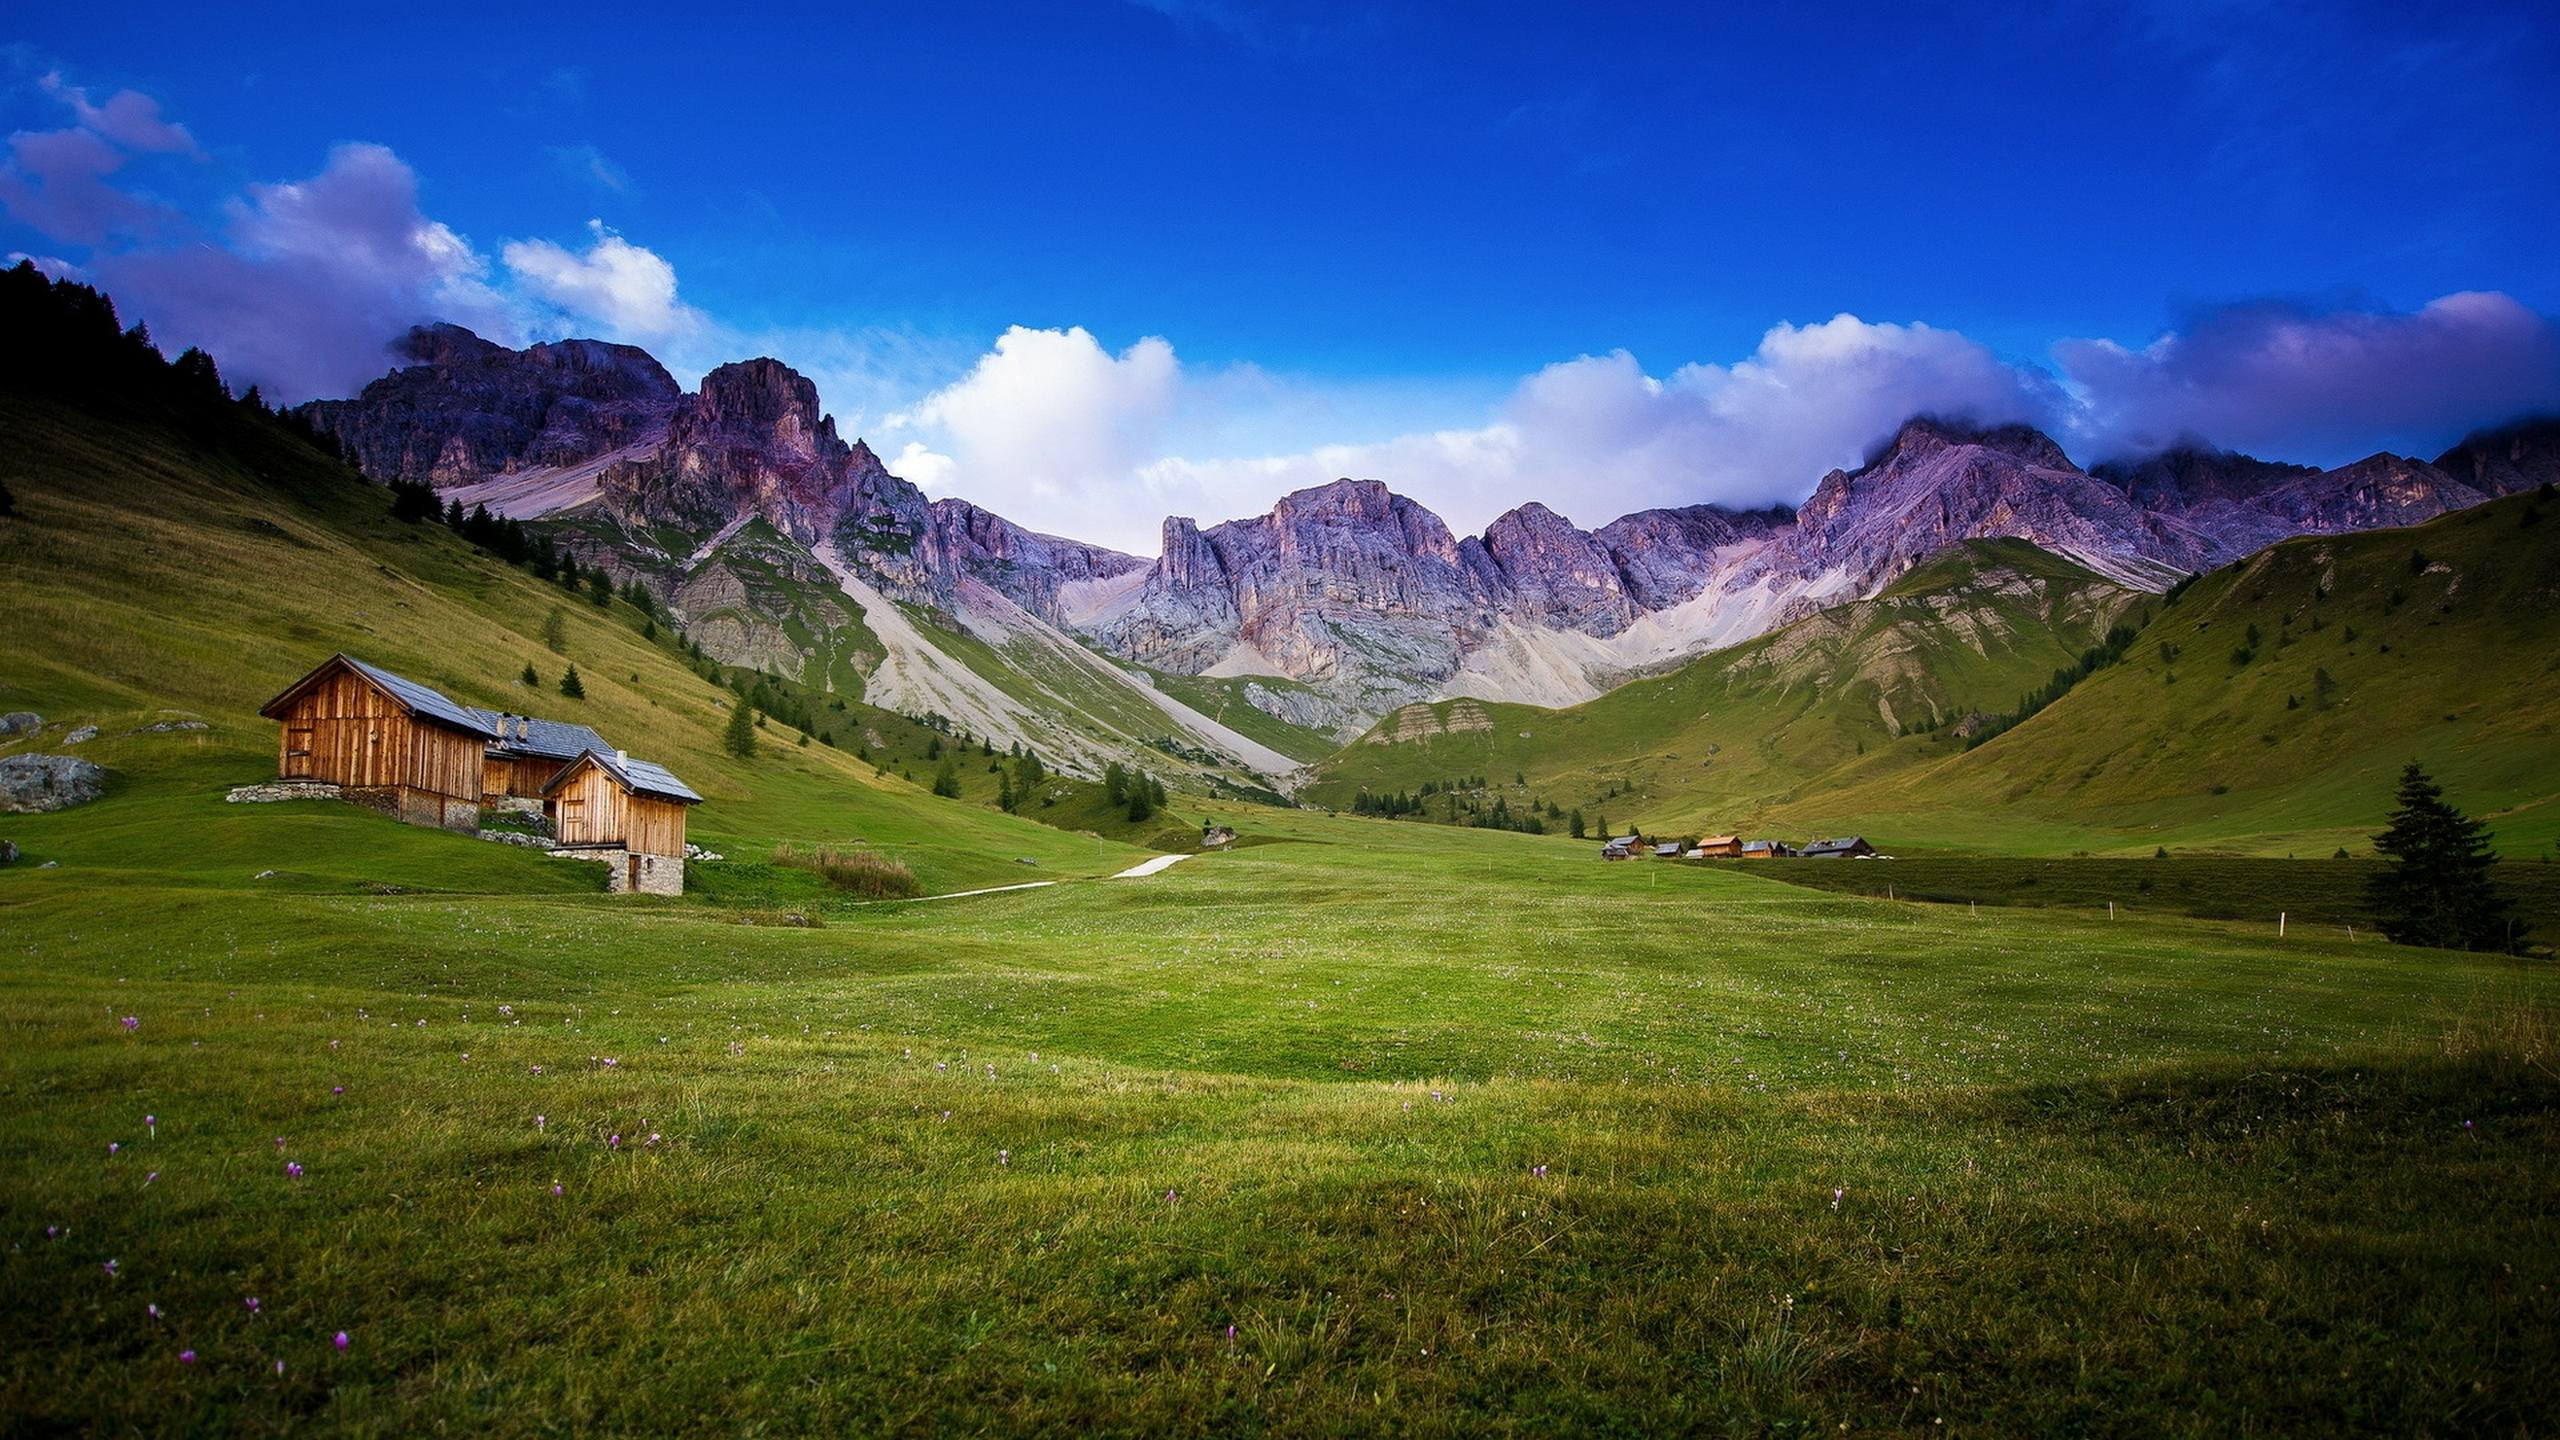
point(129, 118)
point(1048, 428)
point(311, 280)
point(2292, 383)
point(625, 289)
point(1593, 437)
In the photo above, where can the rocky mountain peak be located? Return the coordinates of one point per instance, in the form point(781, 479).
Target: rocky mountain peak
point(1922, 435)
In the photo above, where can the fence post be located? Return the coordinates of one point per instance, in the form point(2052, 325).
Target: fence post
point(2279, 924)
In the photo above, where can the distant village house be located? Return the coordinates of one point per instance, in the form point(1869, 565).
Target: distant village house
point(1851, 848)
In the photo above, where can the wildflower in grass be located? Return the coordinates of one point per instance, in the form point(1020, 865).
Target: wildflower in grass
point(252, 1303)
point(1004, 1157)
point(466, 1055)
point(279, 1142)
point(541, 1122)
point(1836, 1193)
point(113, 1146)
point(537, 1069)
point(154, 1175)
point(152, 1310)
point(340, 1340)
point(293, 1169)
point(1170, 1197)
point(152, 1124)
point(613, 1142)
point(555, 1192)
point(1538, 1170)
point(110, 1268)
point(279, 1368)
point(186, 1357)
point(654, 1137)
point(1231, 1332)
point(337, 1089)
point(131, 1023)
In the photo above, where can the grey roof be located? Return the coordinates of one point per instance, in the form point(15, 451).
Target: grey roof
point(1668, 847)
point(1826, 847)
point(420, 699)
point(636, 775)
point(543, 739)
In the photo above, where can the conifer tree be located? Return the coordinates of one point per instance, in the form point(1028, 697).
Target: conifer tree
point(570, 686)
point(739, 738)
point(532, 677)
point(2438, 890)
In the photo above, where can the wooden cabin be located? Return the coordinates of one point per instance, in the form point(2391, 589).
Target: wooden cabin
point(528, 755)
point(631, 811)
point(384, 740)
point(1717, 847)
point(1848, 848)
point(1764, 850)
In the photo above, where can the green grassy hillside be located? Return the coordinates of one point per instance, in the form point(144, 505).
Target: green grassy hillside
point(2270, 707)
point(154, 571)
point(1731, 736)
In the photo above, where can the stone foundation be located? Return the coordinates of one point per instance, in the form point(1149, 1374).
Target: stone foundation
point(628, 874)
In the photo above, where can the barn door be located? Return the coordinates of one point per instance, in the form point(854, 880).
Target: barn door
point(632, 884)
point(297, 753)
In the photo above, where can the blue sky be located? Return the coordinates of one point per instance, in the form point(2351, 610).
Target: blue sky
point(1358, 229)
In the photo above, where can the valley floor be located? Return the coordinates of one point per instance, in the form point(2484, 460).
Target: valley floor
point(1363, 1126)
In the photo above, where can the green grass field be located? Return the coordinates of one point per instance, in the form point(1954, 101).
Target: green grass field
point(2323, 893)
point(1364, 1126)
point(1457, 1131)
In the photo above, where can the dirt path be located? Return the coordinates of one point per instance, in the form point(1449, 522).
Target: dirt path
point(1145, 868)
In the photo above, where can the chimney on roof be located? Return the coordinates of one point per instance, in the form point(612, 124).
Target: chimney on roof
point(621, 757)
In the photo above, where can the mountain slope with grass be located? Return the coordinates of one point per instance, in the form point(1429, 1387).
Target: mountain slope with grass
point(2269, 706)
point(1754, 726)
point(177, 556)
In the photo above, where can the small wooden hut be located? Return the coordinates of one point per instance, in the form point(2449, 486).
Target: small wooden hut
point(630, 812)
point(384, 740)
point(1717, 847)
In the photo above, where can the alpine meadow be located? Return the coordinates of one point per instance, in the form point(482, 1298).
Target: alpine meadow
point(863, 845)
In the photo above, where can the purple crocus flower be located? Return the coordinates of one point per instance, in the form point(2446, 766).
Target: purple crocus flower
point(113, 1146)
point(293, 1169)
point(279, 1367)
point(613, 1142)
point(555, 1192)
point(152, 1124)
point(110, 1268)
point(252, 1303)
point(340, 1340)
point(131, 1023)
point(186, 1357)
point(337, 1089)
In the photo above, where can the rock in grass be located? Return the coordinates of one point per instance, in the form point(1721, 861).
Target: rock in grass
point(33, 784)
point(21, 722)
point(81, 736)
point(8, 852)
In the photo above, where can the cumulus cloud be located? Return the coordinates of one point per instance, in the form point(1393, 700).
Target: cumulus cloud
point(310, 280)
point(1048, 423)
point(2283, 381)
point(1070, 436)
point(626, 290)
point(129, 118)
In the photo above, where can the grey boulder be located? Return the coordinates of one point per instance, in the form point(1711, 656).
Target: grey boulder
point(32, 784)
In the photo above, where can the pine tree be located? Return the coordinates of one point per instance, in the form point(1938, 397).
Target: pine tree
point(1115, 784)
point(599, 588)
point(555, 634)
point(1142, 805)
point(1602, 829)
point(1577, 825)
point(739, 738)
point(569, 685)
point(1005, 798)
point(532, 677)
point(2438, 890)
point(946, 782)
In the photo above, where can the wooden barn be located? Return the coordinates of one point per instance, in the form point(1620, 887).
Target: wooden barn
point(1717, 847)
point(385, 740)
point(630, 810)
point(1853, 847)
point(528, 755)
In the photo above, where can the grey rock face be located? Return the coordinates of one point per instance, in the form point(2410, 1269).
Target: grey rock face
point(81, 736)
point(34, 784)
point(462, 408)
point(8, 852)
point(20, 722)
